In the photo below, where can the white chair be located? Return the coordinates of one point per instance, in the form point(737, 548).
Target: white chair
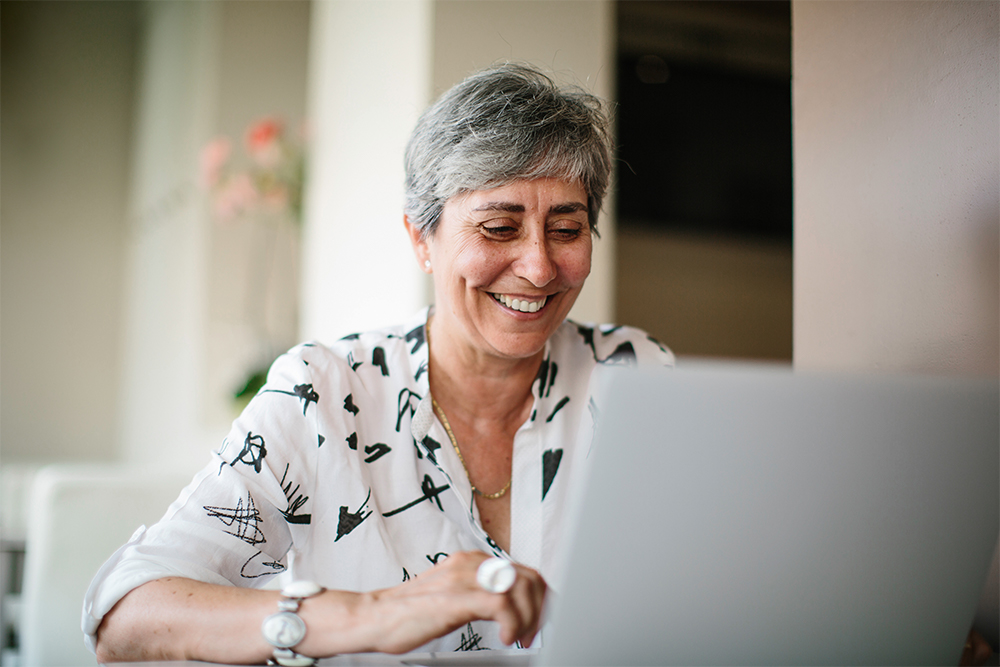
point(78, 515)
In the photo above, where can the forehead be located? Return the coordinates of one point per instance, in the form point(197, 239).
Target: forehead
point(525, 195)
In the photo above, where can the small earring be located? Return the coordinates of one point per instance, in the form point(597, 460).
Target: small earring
point(427, 264)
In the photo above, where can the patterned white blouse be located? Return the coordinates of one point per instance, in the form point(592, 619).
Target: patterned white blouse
point(339, 471)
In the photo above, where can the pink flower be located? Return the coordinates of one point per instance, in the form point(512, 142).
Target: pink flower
point(213, 158)
point(264, 141)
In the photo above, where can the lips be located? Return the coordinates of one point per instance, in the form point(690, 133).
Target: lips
point(521, 304)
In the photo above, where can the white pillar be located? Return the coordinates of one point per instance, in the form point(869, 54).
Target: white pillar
point(369, 81)
point(162, 387)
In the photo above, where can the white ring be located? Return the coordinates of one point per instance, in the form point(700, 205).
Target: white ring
point(496, 575)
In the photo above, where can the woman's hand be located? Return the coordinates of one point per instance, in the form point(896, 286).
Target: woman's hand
point(447, 596)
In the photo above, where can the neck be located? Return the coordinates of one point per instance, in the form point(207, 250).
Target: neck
point(472, 386)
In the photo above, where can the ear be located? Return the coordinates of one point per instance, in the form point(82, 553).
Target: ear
point(420, 248)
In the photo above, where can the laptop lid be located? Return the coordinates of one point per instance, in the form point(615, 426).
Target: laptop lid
point(752, 515)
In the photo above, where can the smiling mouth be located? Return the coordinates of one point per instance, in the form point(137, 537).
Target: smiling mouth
point(522, 305)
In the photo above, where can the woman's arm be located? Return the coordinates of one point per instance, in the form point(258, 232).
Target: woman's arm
point(182, 619)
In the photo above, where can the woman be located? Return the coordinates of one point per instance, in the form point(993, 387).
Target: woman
point(389, 466)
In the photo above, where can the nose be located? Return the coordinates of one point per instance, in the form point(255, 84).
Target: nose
point(535, 263)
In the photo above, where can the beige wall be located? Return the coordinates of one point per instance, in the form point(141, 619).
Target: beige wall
point(66, 107)
point(896, 186)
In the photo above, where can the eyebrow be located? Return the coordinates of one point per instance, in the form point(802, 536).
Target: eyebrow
point(510, 207)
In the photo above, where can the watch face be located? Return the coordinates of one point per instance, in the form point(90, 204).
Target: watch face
point(283, 629)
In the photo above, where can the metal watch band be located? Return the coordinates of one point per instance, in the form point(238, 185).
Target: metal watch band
point(285, 628)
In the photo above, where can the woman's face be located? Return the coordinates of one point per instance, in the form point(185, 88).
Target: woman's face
point(508, 264)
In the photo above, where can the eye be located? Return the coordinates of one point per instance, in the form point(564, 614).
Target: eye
point(499, 228)
point(568, 231)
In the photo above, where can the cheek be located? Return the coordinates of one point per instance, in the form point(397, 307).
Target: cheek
point(576, 265)
point(480, 267)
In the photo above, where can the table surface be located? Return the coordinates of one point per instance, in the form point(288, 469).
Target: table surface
point(501, 658)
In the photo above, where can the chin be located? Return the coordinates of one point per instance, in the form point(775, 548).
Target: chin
point(521, 346)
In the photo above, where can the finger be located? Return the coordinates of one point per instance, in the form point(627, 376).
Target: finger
point(528, 595)
point(981, 650)
point(976, 651)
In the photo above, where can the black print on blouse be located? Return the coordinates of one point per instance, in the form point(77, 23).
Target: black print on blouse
point(431, 493)
point(470, 642)
point(351, 520)
point(550, 465)
point(321, 441)
point(376, 451)
point(437, 557)
point(559, 406)
point(623, 355)
point(497, 551)
point(253, 452)
point(663, 348)
point(351, 337)
point(431, 445)
point(244, 520)
point(417, 337)
point(588, 337)
point(352, 441)
point(421, 369)
point(295, 502)
point(378, 359)
point(354, 364)
point(349, 405)
point(263, 568)
point(546, 377)
point(303, 392)
point(406, 575)
point(406, 402)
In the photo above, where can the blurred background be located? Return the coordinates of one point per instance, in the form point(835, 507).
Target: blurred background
point(189, 188)
point(128, 285)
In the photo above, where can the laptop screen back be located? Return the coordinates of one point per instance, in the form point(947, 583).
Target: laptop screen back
point(752, 515)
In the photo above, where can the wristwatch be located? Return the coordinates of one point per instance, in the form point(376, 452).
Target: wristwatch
point(285, 628)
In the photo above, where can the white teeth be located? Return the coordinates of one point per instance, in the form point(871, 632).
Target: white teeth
point(518, 304)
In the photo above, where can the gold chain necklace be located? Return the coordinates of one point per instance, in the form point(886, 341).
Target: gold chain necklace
point(454, 443)
point(451, 435)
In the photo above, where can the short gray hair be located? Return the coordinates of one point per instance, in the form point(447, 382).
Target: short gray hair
point(503, 124)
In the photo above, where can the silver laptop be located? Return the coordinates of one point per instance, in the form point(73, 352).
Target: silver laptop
point(755, 516)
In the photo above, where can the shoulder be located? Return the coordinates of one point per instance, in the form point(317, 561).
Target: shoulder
point(407, 337)
point(611, 344)
point(378, 353)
